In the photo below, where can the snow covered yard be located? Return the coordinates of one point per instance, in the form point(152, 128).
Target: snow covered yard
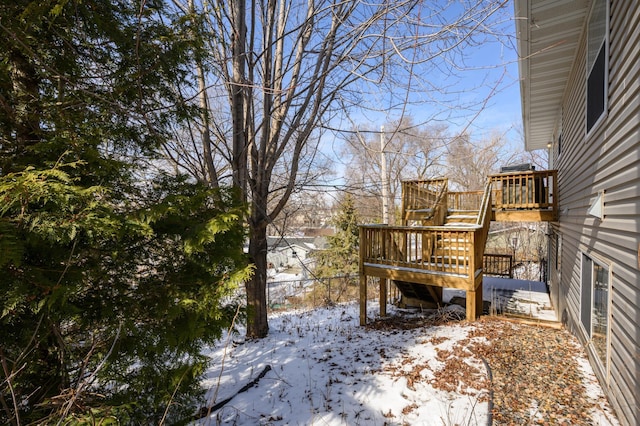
point(321, 367)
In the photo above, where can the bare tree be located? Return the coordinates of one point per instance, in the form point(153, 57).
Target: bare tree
point(538, 158)
point(410, 151)
point(469, 162)
point(277, 71)
point(307, 211)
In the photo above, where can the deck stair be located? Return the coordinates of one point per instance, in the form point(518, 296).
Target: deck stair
point(413, 294)
point(461, 217)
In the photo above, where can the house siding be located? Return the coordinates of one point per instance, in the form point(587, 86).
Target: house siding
point(607, 159)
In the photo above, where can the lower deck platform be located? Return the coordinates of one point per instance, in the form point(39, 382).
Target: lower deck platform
point(522, 299)
point(512, 297)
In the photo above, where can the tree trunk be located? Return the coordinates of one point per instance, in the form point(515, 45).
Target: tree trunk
point(256, 287)
point(210, 172)
point(25, 114)
point(238, 112)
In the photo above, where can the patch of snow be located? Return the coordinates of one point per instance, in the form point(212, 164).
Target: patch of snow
point(326, 369)
point(523, 297)
point(600, 413)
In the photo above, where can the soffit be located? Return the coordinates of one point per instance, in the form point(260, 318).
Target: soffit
point(548, 33)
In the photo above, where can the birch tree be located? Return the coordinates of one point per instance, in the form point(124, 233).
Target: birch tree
point(279, 71)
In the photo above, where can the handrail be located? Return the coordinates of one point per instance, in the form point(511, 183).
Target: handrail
point(426, 228)
point(485, 205)
point(484, 222)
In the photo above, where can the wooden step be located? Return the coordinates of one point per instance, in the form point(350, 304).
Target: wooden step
point(461, 217)
point(453, 220)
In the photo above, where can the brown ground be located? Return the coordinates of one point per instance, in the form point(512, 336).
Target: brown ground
point(534, 370)
point(535, 378)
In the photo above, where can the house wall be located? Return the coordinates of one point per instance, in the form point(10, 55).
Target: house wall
point(608, 159)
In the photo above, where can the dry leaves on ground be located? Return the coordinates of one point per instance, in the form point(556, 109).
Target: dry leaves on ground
point(536, 378)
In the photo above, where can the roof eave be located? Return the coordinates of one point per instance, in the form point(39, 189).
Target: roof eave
point(548, 33)
point(521, 13)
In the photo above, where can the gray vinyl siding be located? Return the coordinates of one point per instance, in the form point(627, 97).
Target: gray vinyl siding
point(607, 159)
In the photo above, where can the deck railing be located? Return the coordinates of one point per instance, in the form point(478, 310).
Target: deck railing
point(422, 199)
point(498, 265)
point(526, 190)
point(466, 200)
point(420, 249)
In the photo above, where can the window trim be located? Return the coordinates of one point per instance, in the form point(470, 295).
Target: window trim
point(584, 253)
point(560, 133)
point(560, 144)
point(589, 67)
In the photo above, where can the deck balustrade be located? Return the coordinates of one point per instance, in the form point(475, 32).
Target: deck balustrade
point(525, 196)
point(418, 249)
point(422, 200)
point(466, 200)
point(498, 265)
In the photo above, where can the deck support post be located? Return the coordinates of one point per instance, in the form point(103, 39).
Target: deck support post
point(471, 305)
point(479, 300)
point(363, 299)
point(383, 296)
point(474, 303)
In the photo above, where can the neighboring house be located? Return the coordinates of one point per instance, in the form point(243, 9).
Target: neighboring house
point(288, 252)
point(580, 86)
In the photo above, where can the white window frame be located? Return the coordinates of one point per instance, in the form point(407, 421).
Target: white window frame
point(589, 67)
point(595, 260)
point(559, 255)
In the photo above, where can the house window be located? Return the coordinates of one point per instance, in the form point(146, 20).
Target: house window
point(559, 258)
point(559, 144)
point(594, 304)
point(597, 63)
point(560, 129)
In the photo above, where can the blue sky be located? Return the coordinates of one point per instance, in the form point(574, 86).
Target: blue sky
point(488, 79)
point(489, 83)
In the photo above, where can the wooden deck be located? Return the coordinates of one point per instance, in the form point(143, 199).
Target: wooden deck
point(441, 242)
